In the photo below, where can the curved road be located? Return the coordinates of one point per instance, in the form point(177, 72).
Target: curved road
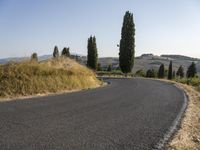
point(128, 114)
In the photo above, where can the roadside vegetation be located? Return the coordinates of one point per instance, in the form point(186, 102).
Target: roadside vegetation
point(189, 77)
point(188, 136)
point(58, 74)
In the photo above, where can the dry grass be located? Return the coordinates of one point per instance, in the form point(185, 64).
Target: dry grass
point(52, 76)
point(188, 136)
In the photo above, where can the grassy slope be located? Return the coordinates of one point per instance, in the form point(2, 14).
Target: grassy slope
point(30, 78)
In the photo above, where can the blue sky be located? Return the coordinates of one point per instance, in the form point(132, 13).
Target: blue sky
point(162, 26)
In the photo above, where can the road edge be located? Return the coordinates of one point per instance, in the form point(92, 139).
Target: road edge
point(176, 123)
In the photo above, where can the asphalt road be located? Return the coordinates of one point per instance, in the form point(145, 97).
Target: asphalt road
point(128, 114)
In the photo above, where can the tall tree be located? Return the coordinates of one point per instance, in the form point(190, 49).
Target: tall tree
point(34, 57)
point(161, 71)
point(192, 71)
point(180, 72)
point(56, 52)
point(127, 44)
point(92, 57)
point(109, 68)
point(65, 52)
point(170, 73)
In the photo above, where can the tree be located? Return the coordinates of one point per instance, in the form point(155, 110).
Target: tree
point(109, 68)
point(192, 71)
point(34, 57)
point(99, 68)
point(127, 44)
point(180, 72)
point(92, 56)
point(56, 52)
point(161, 71)
point(151, 73)
point(170, 73)
point(65, 52)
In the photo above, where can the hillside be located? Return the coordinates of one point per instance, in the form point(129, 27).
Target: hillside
point(50, 76)
point(150, 61)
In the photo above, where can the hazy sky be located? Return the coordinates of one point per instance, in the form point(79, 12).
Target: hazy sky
point(162, 26)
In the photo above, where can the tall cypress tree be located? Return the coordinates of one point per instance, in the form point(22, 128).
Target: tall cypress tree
point(127, 44)
point(180, 72)
point(191, 72)
point(92, 58)
point(161, 71)
point(170, 73)
point(56, 52)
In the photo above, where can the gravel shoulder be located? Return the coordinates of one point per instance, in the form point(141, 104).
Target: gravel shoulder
point(188, 135)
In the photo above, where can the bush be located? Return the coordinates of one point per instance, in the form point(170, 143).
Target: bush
point(140, 73)
point(151, 73)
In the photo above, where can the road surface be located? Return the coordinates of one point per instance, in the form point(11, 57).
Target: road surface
point(128, 114)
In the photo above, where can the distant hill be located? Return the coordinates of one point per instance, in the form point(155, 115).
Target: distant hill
point(150, 61)
point(18, 59)
point(40, 58)
point(180, 57)
point(144, 62)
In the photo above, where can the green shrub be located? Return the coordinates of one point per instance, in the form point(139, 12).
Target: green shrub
point(140, 73)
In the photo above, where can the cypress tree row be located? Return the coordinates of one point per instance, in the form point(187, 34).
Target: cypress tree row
point(161, 71)
point(170, 73)
point(191, 72)
point(127, 44)
point(180, 72)
point(56, 52)
point(92, 58)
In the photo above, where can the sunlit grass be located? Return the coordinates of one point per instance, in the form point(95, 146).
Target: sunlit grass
point(29, 78)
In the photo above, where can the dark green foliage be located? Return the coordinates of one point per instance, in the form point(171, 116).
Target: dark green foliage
point(161, 71)
point(56, 52)
point(174, 74)
point(99, 68)
point(34, 57)
point(192, 71)
point(151, 73)
point(127, 44)
point(92, 56)
point(166, 72)
point(140, 73)
point(170, 73)
point(180, 72)
point(109, 68)
point(65, 52)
